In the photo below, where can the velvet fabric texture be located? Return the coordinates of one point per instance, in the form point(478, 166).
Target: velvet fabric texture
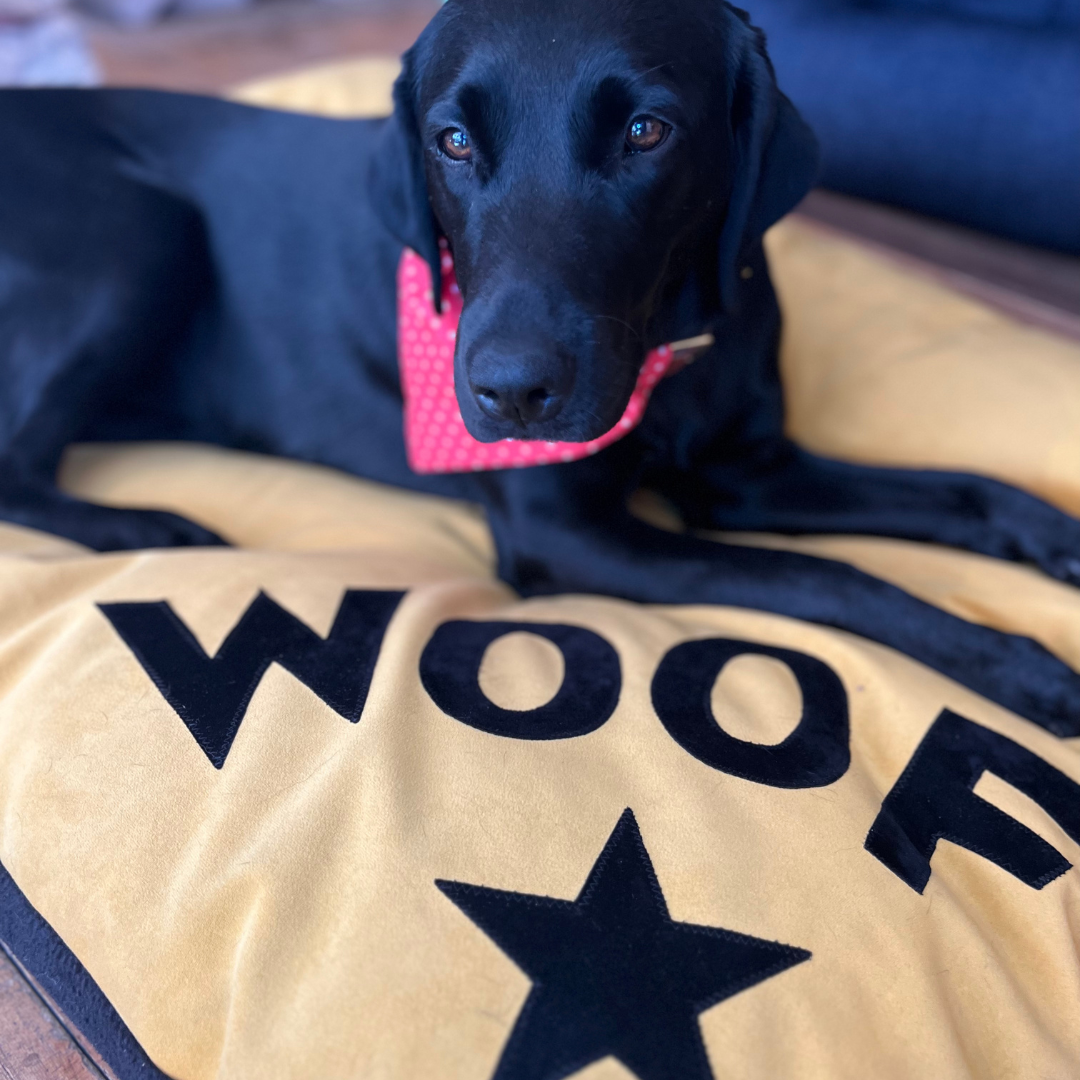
point(417, 893)
point(934, 800)
point(587, 695)
point(613, 974)
point(815, 754)
point(963, 109)
point(211, 694)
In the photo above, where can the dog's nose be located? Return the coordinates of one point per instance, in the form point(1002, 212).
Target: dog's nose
point(519, 404)
point(522, 390)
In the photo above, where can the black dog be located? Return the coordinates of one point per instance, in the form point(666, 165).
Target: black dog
point(179, 268)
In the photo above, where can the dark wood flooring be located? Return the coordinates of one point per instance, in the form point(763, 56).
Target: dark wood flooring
point(36, 1040)
point(211, 52)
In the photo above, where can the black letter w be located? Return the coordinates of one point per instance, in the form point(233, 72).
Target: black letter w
point(211, 694)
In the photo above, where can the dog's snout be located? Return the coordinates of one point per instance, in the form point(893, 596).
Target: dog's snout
point(521, 390)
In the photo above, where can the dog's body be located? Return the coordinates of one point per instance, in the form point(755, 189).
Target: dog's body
point(182, 268)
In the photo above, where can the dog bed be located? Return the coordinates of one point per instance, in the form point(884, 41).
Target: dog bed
point(335, 803)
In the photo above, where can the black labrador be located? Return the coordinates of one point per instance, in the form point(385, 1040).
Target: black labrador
point(173, 267)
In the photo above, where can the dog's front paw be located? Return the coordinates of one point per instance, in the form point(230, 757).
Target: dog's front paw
point(1050, 539)
point(1066, 568)
point(1062, 564)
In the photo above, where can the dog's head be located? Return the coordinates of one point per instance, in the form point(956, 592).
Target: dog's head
point(598, 167)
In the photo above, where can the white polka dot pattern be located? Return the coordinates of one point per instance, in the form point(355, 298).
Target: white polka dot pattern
point(436, 440)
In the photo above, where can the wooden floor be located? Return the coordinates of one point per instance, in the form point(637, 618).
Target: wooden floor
point(210, 53)
point(35, 1042)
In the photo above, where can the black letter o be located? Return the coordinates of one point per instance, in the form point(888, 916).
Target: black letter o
point(816, 753)
point(450, 670)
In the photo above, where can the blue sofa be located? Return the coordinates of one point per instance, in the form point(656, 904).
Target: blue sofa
point(963, 109)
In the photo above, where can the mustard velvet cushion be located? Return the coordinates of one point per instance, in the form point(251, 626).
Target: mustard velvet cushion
point(321, 905)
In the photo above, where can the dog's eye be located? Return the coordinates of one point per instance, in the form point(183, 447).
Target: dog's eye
point(454, 143)
point(645, 133)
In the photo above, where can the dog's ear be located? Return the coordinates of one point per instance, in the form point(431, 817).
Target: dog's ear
point(774, 154)
point(397, 183)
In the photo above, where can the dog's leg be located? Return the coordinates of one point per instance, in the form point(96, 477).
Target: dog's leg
point(543, 551)
point(785, 489)
point(37, 504)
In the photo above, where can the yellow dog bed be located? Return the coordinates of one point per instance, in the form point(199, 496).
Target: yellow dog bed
point(338, 898)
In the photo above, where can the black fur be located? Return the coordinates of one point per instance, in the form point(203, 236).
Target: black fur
point(174, 267)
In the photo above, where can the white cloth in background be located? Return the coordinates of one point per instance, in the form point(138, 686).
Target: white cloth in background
point(41, 44)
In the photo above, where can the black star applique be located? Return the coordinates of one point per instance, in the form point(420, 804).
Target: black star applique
point(612, 972)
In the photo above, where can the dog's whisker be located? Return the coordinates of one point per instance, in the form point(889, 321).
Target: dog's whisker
point(621, 322)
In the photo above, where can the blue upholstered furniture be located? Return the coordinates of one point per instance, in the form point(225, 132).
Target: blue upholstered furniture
point(963, 109)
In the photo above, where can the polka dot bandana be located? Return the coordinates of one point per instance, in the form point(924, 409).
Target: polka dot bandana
point(436, 440)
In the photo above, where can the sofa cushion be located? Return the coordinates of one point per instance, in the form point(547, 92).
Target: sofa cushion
point(1040, 13)
point(972, 121)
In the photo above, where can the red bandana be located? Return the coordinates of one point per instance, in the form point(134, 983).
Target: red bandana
point(436, 440)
